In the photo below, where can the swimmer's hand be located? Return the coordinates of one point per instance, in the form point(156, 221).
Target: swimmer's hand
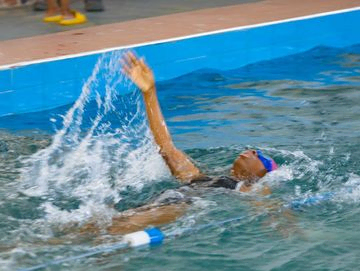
point(138, 72)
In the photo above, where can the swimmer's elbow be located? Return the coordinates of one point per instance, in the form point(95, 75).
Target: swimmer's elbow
point(188, 176)
point(180, 165)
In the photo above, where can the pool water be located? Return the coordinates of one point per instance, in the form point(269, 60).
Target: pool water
point(85, 162)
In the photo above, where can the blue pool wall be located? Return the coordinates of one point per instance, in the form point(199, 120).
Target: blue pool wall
point(50, 84)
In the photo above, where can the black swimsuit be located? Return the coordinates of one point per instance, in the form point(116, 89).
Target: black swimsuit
point(223, 181)
point(183, 194)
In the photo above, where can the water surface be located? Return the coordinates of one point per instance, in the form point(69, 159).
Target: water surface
point(87, 161)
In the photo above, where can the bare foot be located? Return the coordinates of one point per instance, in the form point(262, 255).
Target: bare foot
point(52, 12)
point(68, 15)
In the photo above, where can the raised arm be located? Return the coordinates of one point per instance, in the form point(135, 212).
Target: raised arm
point(141, 75)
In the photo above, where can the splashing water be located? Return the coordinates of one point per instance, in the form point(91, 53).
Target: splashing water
point(103, 147)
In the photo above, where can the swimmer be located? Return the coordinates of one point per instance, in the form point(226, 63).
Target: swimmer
point(248, 167)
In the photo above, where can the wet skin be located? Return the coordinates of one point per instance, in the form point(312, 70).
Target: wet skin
point(248, 167)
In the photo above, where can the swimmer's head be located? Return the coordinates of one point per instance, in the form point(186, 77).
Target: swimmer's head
point(251, 165)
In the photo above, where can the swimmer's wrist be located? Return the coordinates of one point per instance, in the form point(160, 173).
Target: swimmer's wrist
point(149, 90)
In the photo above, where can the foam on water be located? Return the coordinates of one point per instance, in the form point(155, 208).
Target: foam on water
point(91, 161)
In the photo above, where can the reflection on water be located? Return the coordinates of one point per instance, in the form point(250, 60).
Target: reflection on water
point(71, 165)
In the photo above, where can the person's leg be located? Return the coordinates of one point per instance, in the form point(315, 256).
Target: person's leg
point(65, 9)
point(52, 8)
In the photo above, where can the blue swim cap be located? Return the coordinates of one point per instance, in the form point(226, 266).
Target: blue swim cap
point(268, 163)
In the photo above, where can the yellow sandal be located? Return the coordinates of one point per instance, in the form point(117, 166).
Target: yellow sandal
point(79, 18)
point(52, 19)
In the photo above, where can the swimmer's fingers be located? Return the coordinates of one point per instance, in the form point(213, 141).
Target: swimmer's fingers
point(143, 65)
point(127, 59)
point(131, 58)
point(125, 67)
point(128, 65)
point(130, 61)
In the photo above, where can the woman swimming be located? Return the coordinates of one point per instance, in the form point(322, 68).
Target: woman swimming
point(247, 169)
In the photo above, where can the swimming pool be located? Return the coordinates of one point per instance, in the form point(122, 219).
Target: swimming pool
point(85, 161)
point(301, 109)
